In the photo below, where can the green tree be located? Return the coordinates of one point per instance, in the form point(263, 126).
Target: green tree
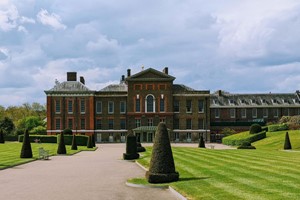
point(39, 130)
point(7, 126)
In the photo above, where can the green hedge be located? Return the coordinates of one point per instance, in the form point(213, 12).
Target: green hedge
point(81, 140)
point(42, 138)
point(239, 139)
point(10, 138)
point(278, 127)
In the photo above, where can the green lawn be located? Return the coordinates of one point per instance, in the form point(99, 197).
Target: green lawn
point(275, 140)
point(10, 152)
point(234, 174)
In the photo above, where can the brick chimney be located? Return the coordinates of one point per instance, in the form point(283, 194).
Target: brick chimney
point(128, 72)
point(82, 80)
point(166, 70)
point(71, 76)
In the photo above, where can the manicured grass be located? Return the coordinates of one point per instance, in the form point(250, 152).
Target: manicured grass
point(10, 152)
point(275, 140)
point(234, 174)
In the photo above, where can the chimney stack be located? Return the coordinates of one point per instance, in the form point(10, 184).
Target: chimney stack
point(82, 80)
point(128, 72)
point(220, 92)
point(71, 76)
point(166, 70)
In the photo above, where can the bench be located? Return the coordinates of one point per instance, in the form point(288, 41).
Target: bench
point(43, 154)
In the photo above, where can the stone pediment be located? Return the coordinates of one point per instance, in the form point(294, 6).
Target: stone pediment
point(150, 74)
point(69, 86)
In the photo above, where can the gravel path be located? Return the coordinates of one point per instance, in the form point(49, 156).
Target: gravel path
point(86, 176)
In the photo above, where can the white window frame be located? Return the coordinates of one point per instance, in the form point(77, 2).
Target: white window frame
point(112, 107)
point(146, 104)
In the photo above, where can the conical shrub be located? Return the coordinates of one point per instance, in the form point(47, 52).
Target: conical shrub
point(139, 146)
point(201, 142)
point(74, 143)
point(162, 167)
point(89, 142)
point(26, 151)
point(287, 142)
point(61, 145)
point(131, 148)
point(93, 140)
point(2, 137)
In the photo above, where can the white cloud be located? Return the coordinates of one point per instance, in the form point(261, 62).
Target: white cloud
point(103, 44)
point(52, 19)
point(8, 18)
point(24, 20)
point(22, 29)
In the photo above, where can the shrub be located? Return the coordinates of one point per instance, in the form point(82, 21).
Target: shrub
point(227, 131)
point(238, 139)
point(61, 145)
point(255, 128)
point(131, 148)
point(162, 167)
point(26, 151)
point(39, 130)
point(2, 137)
point(201, 142)
point(42, 138)
point(278, 127)
point(74, 144)
point(89, 143)
point(81, 140)
point(246, 145)
point(287, 142)
point(67, 131)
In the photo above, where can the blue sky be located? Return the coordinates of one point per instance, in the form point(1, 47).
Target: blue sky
point(241, 46)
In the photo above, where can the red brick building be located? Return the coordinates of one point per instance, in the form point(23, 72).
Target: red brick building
point(138, 103)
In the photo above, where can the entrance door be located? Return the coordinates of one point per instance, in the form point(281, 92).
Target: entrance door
point(99, 137)
point(149, 137)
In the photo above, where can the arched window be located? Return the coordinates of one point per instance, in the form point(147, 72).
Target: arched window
point(150, 103)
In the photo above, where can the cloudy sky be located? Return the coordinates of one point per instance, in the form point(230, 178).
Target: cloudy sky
point(241, 46)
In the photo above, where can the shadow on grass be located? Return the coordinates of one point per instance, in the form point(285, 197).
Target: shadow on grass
point(192, 178)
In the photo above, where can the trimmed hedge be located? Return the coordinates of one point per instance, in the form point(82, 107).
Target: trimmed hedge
point(255, 128)
point(42, 138)
point(246, 145)
point(239, 139)
point(81, 140)
point(278, 127)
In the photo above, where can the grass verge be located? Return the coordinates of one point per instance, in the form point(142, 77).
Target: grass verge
point(10, 153)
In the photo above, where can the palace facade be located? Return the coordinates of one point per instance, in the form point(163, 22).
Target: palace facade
point(140, 101)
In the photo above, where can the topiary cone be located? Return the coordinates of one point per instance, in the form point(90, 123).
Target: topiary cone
point(201, 142)
point(2, 137)
point(74, 143)
point(139, 146)
point(93, 140)
point(287, 142)
point(61, 145)
point(89, 142)
point(26, 151)
point(131, 148)
point(162, 167)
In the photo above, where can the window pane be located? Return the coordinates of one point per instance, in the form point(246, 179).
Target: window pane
point(57, 124)
point(110, 107)
point(189, 124)
point(201, 106)
point(98, 107)
point(123, 124)
point(82, 106)
point(176, 123)
point(162, 105)
point(82, 123)
point(70, 123)
point(150, 103)
point(176, 106)
point(70, 106)
point(57, 106)
point(122, 107)
point(137, 105)
point(110, 124)
point(188, 105)
point(98, 124)
point(200, 123)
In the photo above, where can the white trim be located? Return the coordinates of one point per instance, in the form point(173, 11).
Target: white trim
point(191, 131)
point(110, 131)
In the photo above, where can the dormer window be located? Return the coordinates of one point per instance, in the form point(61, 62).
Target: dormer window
point(263, 101)
point(296, 100)
point(253, 101)
point(231, 101)
point(274, 101)
point(243, 101)
point(285, 101)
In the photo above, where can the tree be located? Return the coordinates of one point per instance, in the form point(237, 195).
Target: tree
point(7, 126)
point(61, 145)
point(26, 151)
point(162, 167)
point(39, 130)
point(30, 123)
point(287, 142)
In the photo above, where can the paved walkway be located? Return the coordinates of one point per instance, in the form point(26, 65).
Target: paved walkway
point(88, 175)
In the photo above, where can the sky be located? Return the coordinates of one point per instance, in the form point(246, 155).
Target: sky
point(240, 46)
